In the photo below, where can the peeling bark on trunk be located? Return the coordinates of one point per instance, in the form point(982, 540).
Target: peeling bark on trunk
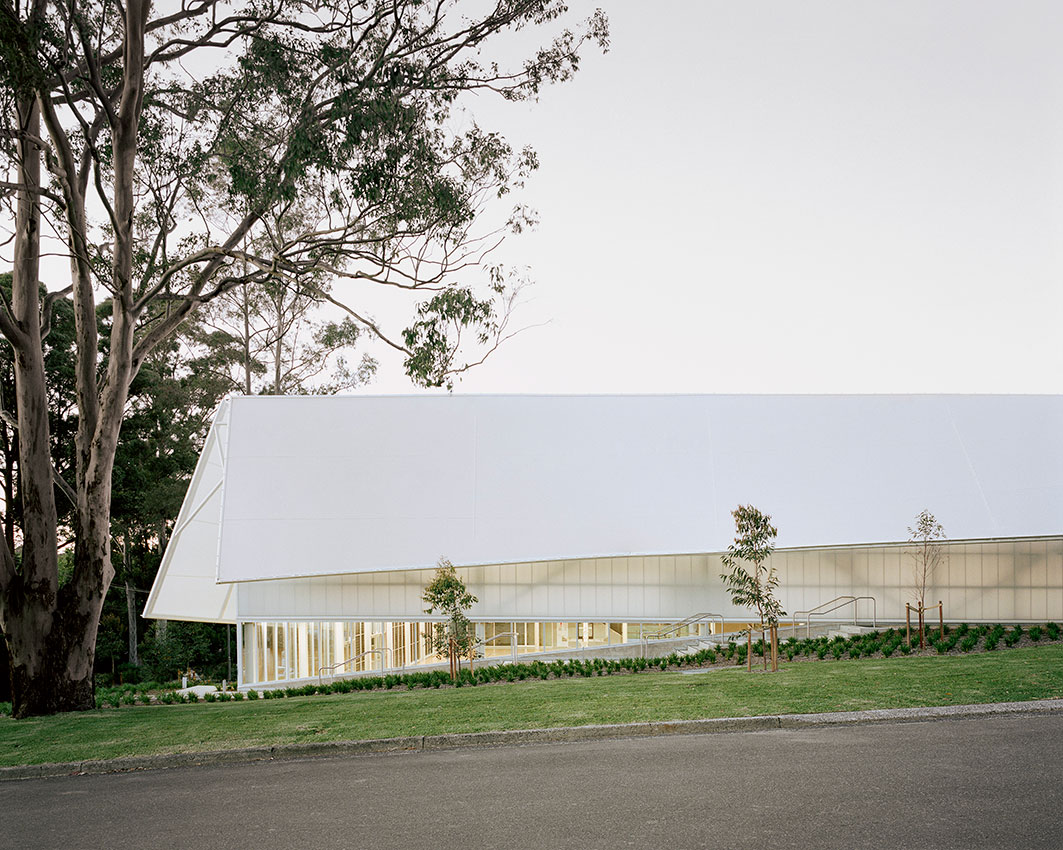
point(52, 671)
point(51, 631)
point(5, 672)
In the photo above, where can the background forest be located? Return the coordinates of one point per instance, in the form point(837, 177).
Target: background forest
point(267, 340)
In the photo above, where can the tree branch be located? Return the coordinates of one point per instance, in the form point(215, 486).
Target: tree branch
point(11, 188)
point(46, 309)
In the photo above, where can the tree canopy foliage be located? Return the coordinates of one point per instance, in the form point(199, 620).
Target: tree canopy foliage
point(180, 150)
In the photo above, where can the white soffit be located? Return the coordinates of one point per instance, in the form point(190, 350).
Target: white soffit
point(185, 587)
point(327, 485)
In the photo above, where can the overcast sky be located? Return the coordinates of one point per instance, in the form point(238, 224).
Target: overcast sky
point(794, 197)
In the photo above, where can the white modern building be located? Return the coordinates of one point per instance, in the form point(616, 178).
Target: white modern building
point(314, 523)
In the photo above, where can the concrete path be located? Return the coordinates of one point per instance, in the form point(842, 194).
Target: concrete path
point(958, 782)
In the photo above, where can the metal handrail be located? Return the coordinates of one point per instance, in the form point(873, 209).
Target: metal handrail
point(512, 644)
point(842, 602)
point(379, 652)
point(689, 621)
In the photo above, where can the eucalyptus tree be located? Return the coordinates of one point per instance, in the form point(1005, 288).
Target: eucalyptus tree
point(751, 580)
point(156, 141)
point(59, 361)
point(278, 340)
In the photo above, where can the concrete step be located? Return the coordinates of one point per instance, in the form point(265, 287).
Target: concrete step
point(848, 631)
point(696, 647)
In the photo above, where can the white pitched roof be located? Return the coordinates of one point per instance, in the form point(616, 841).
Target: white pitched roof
point(324, 485)
point(185, 587)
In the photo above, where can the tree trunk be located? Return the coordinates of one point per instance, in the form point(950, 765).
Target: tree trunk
point(131, 617)
point(52, 671)
point(278, 347)
point(247, 338)
point(5, 673)
point(50, 640)
point(130, 602)
point(52, 635)
point(9, 473)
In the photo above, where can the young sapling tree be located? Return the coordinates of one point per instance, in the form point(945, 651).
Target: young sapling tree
point(927, 555)
point(750, 581)
point(448, 595)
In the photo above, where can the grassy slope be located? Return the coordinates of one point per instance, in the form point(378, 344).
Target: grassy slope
point(1020, 674)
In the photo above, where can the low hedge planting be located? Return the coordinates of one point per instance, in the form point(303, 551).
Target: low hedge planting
point(886, 643)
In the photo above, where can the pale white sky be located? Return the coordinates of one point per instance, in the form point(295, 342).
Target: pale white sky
point(794, 197)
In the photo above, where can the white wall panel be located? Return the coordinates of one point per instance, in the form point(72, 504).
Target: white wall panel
point(351, 484)
point(633, 590)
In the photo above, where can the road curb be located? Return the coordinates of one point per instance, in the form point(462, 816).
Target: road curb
point(522, 737)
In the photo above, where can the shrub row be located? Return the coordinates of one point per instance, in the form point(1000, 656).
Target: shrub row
point(893, 640)
point(499, 673)
point(887, 642)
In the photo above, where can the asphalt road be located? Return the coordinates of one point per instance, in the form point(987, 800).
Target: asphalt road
point(957, 783)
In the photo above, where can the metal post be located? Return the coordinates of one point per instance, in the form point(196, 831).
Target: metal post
point(908, 624)
point(941, 618)
point(240, 653)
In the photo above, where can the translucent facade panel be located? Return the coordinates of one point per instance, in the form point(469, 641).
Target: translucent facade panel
point(876, 568)
point(1030, 565)
point(991, 607)
point(667, 571)
point(828, 572)
point(860, 568)
point(683, 571)
point(977, 581)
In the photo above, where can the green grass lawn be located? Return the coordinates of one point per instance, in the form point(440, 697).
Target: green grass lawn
point(1013, 675)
